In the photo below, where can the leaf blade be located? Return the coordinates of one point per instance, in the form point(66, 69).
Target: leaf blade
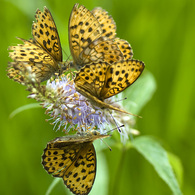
point(157, 156)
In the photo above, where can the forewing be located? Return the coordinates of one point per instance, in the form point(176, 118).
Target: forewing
point(107, 23)
point(91, 78)
point(45, 33)
point(31, 54)
point(84, 28)
point(30, 51)
point(57, 158)
point(125, 48)
point(121, 75)
point(80, 176)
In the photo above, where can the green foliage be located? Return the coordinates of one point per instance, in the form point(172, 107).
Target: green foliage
point(161, 34)
point(157, 156)
point(140, 93)
point(52, 185)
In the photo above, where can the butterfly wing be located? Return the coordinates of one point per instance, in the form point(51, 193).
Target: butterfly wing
point(91, 79)
point(80, 176)
point(84, 28)
point(58, 157)
point(102, 49)
point(31, 54)
point(45, 33)
point(125, 48)
point(107, 23)
point(121, 75)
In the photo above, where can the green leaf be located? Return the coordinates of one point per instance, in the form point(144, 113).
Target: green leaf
point(157, 156)
point(140, 93)
point(22, 108)
point(102, 176)
point(177, 167)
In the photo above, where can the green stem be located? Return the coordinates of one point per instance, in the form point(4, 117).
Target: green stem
point(52, 185)
point(119, 172)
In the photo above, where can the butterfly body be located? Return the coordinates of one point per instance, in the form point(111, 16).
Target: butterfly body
point(73, 158)
point(97, 102)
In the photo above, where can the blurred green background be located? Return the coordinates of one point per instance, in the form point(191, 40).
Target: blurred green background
point(162, 34)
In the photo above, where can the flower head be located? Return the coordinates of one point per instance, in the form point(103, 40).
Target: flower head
point(68, 108)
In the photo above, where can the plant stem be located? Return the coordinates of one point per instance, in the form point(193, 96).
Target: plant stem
point(119, 172)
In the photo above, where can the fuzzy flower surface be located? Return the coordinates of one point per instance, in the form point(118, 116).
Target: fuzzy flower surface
point(68, 108)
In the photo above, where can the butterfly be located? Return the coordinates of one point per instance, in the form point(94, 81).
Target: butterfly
point(92, 37)
point(43, 53)
point(73, 158)
point(99, 81)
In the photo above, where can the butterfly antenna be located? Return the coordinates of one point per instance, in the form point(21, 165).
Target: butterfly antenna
point(119, 100)
point(112, 130)
point(108, 132)
point(107, 145)
point(68, 57)
point(114, 121)
point(65, 53)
